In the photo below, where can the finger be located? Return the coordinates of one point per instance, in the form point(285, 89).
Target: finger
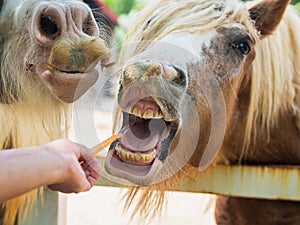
point(79, 150)
point(92, 165)
point(82, 184)
point(82, 152)
point(92, 180)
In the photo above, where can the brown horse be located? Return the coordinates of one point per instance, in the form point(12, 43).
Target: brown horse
point(49, 52)
point(204, 82)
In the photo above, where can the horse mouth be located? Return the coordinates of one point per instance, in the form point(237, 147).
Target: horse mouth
point(66, 85)
point(139, 155)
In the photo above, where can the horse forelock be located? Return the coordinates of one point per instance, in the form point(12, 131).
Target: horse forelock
point(164, 18)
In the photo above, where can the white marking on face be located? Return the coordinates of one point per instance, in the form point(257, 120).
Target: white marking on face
point(192, 43)
point(178, 49)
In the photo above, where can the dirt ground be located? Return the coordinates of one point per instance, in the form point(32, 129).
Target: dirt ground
point(103, 205)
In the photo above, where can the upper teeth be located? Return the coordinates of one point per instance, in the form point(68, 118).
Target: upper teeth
point(148, 114)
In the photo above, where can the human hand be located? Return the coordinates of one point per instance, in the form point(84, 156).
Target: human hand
point(78, 170)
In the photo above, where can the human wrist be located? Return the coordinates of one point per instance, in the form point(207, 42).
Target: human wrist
point(56, 163)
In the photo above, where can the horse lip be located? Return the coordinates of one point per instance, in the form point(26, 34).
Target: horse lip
point(66, 86)
point(137, 175)
point(73, 74)
point(70, 78)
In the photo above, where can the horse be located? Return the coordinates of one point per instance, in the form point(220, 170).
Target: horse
point(204, 82)
point(50, 55)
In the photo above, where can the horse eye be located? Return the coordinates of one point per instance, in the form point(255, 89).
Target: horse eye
point(243, 47)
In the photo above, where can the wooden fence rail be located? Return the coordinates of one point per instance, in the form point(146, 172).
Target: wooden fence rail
point(265, 182)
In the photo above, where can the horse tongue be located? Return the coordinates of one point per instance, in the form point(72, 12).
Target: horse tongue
point(143, 137)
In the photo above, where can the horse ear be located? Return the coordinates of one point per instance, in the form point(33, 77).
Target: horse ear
point(267, 14)
point(1, 4)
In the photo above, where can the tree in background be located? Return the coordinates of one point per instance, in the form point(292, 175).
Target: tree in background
point(126, 10)
point(297, 3)
point(121, 7)
point(294, 2)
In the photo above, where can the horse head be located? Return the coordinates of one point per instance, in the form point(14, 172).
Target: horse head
point(182, 69)
point(56, 44)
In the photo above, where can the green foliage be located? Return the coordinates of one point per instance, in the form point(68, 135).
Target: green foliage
point(298, 7)
point(294, 2)
point(120, 7)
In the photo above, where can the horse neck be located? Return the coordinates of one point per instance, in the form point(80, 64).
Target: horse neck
point(279, 146)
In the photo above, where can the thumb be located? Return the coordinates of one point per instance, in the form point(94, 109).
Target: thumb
point(82, 152)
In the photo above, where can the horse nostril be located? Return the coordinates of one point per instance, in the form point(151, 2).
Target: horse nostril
point(174, 74)
point(48, 26)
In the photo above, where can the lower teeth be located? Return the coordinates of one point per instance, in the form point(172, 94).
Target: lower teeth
point(135, 156)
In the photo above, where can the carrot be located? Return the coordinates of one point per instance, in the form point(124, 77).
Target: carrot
point(99, 147)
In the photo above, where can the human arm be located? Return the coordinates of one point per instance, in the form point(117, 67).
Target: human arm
point(61, 165)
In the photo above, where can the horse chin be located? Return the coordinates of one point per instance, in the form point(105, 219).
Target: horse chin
point(140, 154)
point(138, 175)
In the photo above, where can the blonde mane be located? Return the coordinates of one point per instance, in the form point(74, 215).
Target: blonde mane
point(31, 117)
point(275, 81)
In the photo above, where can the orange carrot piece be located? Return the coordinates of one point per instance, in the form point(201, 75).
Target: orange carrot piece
point(99, 147)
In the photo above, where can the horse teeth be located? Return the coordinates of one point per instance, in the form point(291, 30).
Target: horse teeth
point(137, 112)
point(137, 157)
point(148, 114)
point(144, 156)
point(159, 115)
point(153, 153)
point(134, 156)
